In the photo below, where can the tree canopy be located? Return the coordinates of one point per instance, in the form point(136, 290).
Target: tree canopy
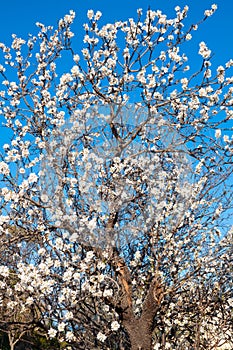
point(116, 187)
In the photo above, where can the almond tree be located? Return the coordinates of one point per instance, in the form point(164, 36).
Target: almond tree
point(117, 179)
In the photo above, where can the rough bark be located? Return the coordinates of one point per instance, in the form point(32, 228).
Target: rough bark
point(139, 329)
point(140, 334)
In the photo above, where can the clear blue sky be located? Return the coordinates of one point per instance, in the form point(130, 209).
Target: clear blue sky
point(19, 17)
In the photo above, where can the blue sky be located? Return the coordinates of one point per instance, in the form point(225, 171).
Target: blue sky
point(19, 17)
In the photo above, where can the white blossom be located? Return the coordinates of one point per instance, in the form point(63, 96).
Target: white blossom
point(52, 333)
point(90, 14)
point(101, 337)
point(115, 326)
point(4, 271)
point(204, 51)
point(32, 178)
point(4, 168)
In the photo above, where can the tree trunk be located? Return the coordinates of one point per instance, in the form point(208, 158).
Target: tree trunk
point(138, 329)
point(140, 334)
